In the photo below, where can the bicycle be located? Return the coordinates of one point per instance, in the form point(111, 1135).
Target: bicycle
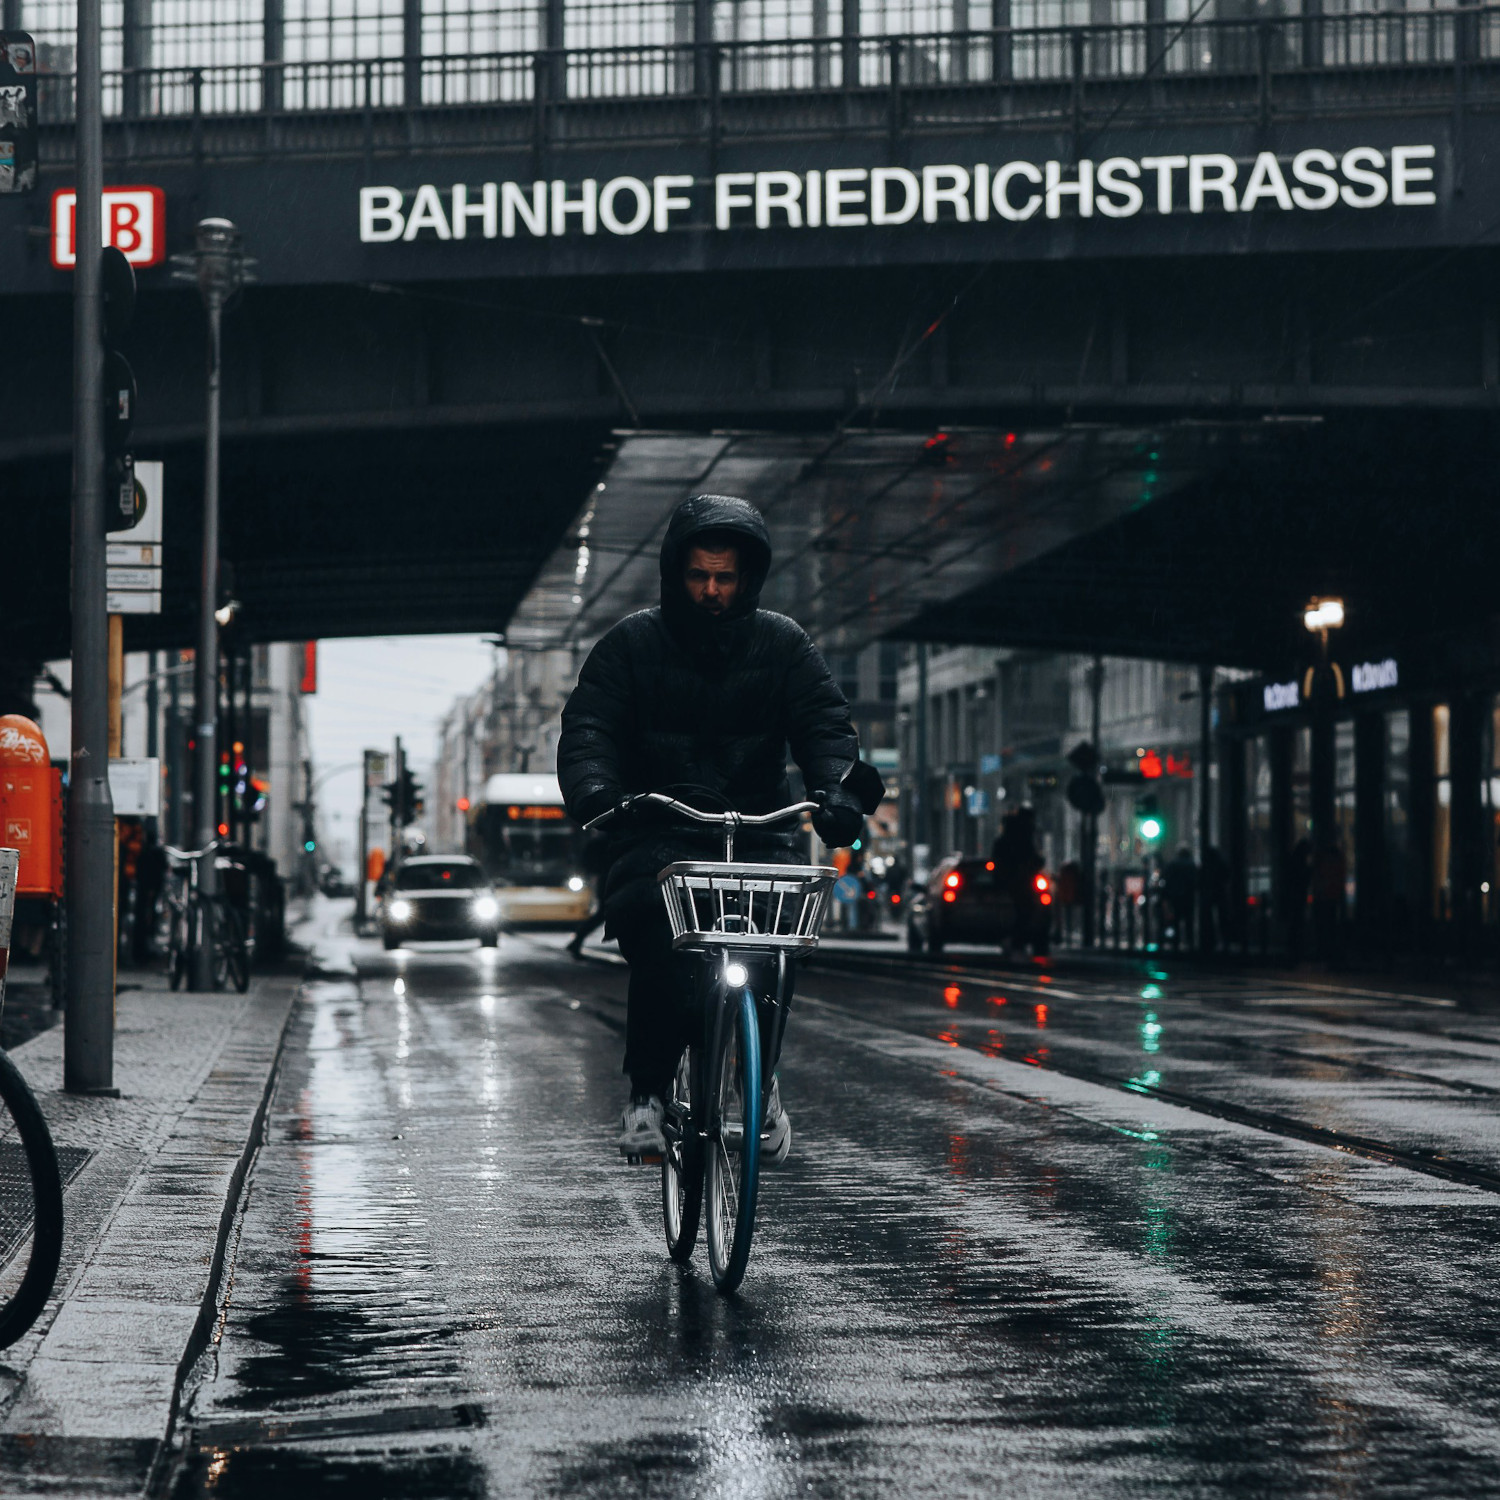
point(31, 1188)
point(741, 922)
point(195, 918)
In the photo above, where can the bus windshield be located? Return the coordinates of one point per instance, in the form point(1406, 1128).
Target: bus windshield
point(524, 845)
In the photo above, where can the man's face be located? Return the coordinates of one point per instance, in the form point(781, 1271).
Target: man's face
point(712, 577)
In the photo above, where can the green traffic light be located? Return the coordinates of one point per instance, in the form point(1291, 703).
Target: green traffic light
point(1151, 829)
point(310, 845)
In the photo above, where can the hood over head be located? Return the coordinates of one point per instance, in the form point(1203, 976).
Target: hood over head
point(739, 522)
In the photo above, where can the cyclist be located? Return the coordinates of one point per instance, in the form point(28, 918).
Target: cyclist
point(703, 696)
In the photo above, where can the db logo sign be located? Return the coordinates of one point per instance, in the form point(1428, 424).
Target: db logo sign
point(135, 223)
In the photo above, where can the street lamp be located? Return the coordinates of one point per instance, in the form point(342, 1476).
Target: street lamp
point(219, 267)
point(1322, 615)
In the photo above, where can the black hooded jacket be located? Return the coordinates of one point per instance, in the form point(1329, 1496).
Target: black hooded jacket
point(673, 698)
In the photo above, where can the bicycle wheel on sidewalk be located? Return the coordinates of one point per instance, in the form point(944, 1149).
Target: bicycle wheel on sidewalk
point(31, 1206)
point(732, 1178)
point(31, 1198)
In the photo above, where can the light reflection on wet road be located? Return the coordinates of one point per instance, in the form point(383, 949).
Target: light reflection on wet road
point(977, 1273)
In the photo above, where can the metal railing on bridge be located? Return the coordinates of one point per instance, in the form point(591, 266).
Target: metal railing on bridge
point(1285, 67)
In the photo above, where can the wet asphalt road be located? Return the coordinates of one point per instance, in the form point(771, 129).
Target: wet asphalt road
point(1051, 1232)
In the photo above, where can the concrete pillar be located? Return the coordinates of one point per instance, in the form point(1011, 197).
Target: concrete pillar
point(273, 51)
point(135, 21)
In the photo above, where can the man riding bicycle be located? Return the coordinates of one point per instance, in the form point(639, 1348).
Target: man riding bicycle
point(702, 697)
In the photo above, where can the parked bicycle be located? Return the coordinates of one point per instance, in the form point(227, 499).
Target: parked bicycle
point(31, 1190)
point(742, 923)
point(195, 918)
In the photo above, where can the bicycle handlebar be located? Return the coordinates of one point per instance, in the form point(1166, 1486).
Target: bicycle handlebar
point(723, 819)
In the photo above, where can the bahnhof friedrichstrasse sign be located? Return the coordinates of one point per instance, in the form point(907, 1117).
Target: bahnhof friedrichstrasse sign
point(1116, 187)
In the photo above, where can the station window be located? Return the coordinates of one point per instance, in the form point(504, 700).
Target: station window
point(1301, 786)
point(1490, 796)
point(1398, 808)
point(1258, 818)
point(1344, 800)
point(1442, 812)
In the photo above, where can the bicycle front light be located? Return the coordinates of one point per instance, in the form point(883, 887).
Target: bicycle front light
point(400, 910)
point(486, 908)
point(736, 976)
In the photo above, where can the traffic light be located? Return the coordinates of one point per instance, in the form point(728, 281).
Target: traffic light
point(124, 500)
point(404, 798)
point(411, 797)
point(1149, 825)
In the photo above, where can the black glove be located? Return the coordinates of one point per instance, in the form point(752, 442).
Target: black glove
point(839, 819)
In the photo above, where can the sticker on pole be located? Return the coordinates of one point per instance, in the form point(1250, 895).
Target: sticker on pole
point(135, 223)
point(17, 112)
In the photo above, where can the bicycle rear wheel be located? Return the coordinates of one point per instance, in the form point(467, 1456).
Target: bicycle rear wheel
point(231, 937)
point(732, 1178)
point(681, 1166)
point(31, 1206)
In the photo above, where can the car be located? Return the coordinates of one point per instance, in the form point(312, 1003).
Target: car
point(964, 900)
point(439, 898)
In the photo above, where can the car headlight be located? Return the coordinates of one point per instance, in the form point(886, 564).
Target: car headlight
point(575, 882)
point(486, 908)
point(400, 910)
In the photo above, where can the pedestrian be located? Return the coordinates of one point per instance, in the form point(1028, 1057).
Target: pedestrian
point(1330, 871)
point(1180, 896)
point(1213, 883)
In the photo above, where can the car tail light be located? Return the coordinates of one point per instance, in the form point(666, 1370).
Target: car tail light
point(950, 895)
point(953, 881)
point(1041, 882)
point(1046, 900)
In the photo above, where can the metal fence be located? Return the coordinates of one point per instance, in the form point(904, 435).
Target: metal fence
point(1383, 50)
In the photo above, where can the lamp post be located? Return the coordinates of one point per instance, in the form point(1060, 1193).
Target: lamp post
point(88, 1037)
point(218, 266)
point(1325, 684)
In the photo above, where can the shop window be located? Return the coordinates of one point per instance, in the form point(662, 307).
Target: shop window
point(1258, 818)
point(1442, 813)
point(1301, 786)
point(1398, 809)
point(1343, 801)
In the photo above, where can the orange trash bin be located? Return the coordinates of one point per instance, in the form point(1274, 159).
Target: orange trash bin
point(31, 807)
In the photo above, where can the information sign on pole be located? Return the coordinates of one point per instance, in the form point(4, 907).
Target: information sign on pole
point(134, 554)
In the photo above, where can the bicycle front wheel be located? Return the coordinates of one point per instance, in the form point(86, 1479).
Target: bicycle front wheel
point(681, 1166)
point(31, 1206)
point(732, 1179)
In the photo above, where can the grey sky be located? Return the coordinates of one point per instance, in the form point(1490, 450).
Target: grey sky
point(371, 690)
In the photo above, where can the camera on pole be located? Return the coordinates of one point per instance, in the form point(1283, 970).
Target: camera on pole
point(124, 501)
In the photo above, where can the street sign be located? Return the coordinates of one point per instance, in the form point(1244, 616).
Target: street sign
point(133, 559)
point(126, 602)
point(135, 787)
point(135, 223)
point(17, 112)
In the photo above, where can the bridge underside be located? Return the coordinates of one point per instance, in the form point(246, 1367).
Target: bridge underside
point(406, 459)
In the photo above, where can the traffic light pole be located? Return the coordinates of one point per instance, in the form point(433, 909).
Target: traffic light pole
point(88, 1036)
point(206, 665)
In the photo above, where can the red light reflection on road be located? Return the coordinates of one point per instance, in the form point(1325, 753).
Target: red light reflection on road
point(1041, 1017)
point(951, 996)
point(995, 999)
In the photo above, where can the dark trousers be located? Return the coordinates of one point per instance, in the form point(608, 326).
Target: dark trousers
point(662, 1016)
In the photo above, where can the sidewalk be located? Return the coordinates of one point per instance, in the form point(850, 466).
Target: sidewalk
point(87, 1397)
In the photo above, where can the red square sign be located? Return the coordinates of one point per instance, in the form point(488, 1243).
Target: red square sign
point(135, 223)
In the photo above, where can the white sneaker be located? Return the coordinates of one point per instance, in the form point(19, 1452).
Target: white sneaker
point(776, 1132)
point(640, 1128)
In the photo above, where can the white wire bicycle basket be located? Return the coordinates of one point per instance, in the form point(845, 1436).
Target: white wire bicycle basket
point(746, 906)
